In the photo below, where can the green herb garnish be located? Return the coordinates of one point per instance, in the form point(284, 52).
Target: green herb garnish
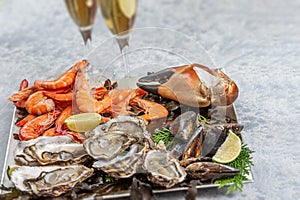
point(108, 179)
point(203, 119)
point(163, 134)
point(243, 162)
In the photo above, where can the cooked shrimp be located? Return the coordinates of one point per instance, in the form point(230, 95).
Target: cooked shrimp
point(38, 103)
point(85, 100)
point(63, 80)
point(78, 137)
point(21, 96)
point(116, 102)
point(99, 92)
point(38, 125)
point(26, 119)
point(120, 101)
point(87, 103)
point(152, 110)
point(23, 84)
point(51, 132)
point(62, 117)
point(59, 97)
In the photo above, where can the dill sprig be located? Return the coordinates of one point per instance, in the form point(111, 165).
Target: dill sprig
point(163, 134)
point(243, 162)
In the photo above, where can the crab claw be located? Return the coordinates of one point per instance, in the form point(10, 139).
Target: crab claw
point(231, 89)
point(194, 85)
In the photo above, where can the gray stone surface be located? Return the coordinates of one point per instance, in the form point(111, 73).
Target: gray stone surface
point(257, 42)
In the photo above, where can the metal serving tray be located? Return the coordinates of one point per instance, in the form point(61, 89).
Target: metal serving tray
point(9, 160)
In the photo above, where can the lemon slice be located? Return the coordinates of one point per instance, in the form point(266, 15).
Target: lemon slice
point(83, 122)
point(229, 150)
point(11, 169)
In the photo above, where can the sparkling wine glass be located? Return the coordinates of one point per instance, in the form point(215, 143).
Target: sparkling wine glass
point(119, 16)
point(83, 13)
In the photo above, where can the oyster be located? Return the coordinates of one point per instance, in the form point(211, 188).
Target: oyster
point(112, 138)
point(47, 150)
point(119, 146)
point(163, 169)
point(124, 165)
point(49, 181)
point(131, 125)
point(108, 146)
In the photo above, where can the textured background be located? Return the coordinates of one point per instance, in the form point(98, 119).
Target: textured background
point(257, 42)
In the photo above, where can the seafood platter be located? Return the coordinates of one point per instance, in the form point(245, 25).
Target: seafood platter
point(168, 133)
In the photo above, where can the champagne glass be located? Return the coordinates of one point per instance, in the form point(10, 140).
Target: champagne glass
point(83, 13)
point(119, 16)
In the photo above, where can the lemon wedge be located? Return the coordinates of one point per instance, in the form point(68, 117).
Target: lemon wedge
point(83, 122)
point(11, 169)
point(229, 150)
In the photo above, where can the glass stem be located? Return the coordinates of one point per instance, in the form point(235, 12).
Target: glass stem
point(86, 34)
point(125, 59)
point(123, 44)
point(87, 47)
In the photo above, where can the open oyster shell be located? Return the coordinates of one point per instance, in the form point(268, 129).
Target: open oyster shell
point(119, 146)
point(47, 150)
point(130, 125)
point(116, 136)
point(108, 146)
point(49, 181)
point(163, 169)
point(126, 164)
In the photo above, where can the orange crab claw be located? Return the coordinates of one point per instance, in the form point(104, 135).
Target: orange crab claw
point(193, 85)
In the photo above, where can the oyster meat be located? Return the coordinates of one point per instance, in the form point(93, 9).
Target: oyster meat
point(47, 150)
point(124, 165)
point(108, 146)
point(119, 146)
point(163, 169)
point(49, 181)
point(131, 125)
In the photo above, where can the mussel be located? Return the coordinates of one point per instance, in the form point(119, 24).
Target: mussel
point(205, 171)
